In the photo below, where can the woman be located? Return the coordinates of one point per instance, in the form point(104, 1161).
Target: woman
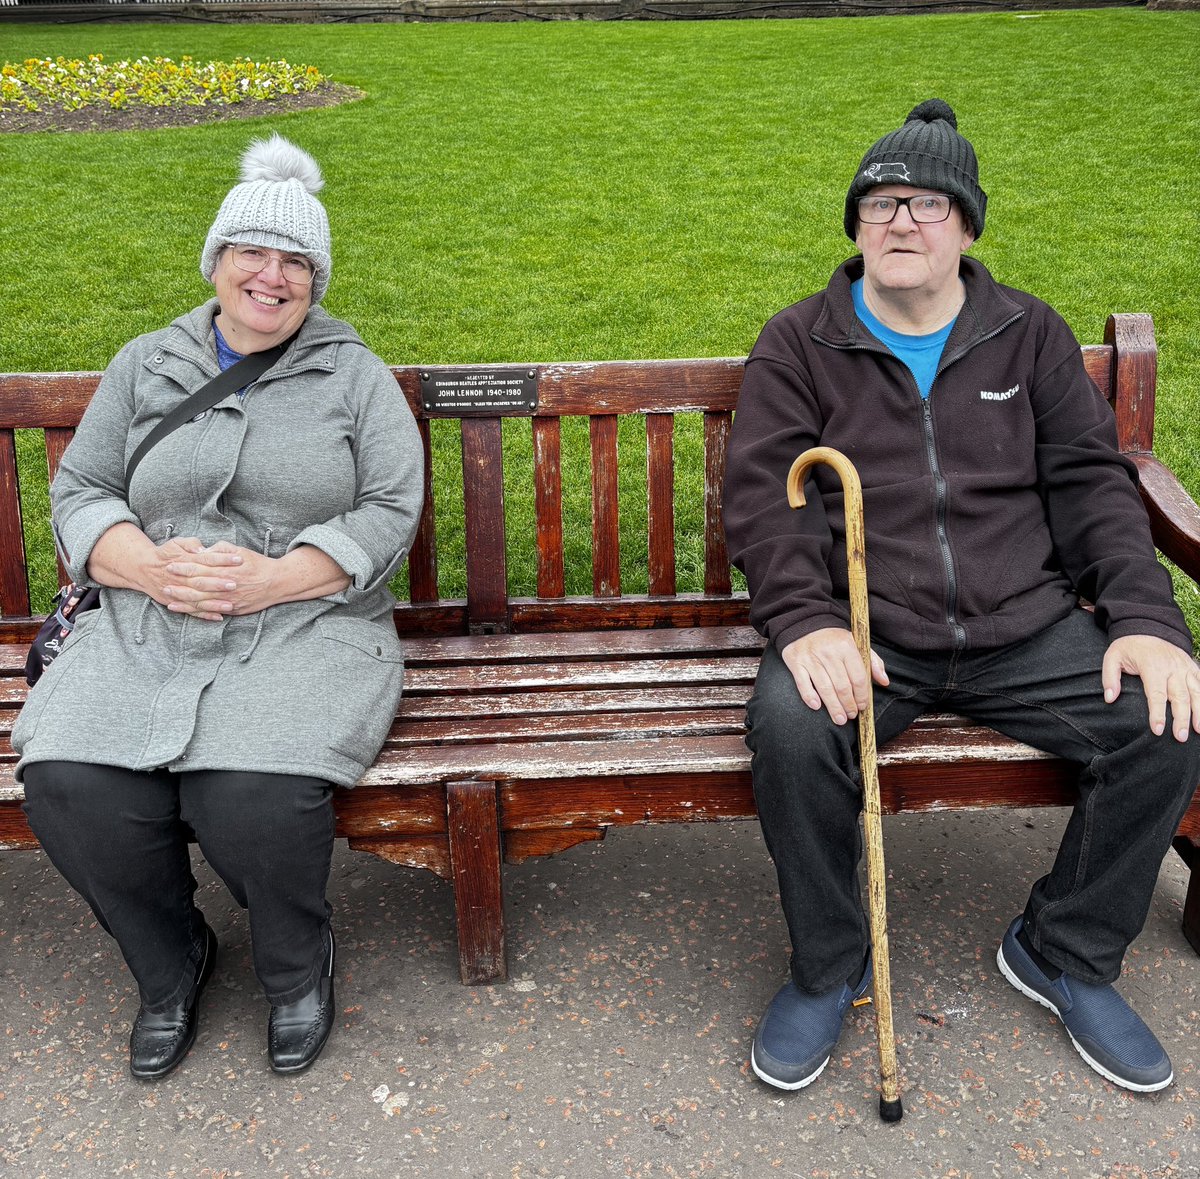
point(244, 661)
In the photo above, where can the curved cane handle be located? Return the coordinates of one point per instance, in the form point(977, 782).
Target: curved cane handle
point(856, 541)
point(839, 462)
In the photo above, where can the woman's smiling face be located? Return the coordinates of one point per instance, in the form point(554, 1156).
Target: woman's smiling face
point(258, 309)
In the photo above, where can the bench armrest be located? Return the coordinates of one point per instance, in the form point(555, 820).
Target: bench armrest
point(1174, 515)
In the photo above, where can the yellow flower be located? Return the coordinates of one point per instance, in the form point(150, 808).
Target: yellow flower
point(73, 83)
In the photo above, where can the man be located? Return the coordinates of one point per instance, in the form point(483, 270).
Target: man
point(995, 498)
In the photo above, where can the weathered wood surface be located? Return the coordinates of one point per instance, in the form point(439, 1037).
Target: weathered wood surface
point(1174, 516)
point(657, 390)
point(532, 724)
point(650, 732)
point(475, 873)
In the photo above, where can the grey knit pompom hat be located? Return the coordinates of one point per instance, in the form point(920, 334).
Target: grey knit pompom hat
point(927, 152)
point(274, 206)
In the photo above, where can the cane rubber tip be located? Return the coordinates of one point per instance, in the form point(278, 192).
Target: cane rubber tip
point(891, 1111)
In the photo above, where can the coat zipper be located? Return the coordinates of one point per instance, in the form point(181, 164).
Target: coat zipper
point(957, 630)
point(947, 361)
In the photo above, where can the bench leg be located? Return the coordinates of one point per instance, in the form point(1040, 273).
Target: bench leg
point(474, 826)
point(1189, 850)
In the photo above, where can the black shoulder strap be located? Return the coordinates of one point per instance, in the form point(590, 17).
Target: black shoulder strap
point(248, 369)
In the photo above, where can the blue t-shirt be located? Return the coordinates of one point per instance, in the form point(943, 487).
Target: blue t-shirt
point(920, 353)
point(226, 356)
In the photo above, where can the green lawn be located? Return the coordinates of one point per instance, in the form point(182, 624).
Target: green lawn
point(541, 192)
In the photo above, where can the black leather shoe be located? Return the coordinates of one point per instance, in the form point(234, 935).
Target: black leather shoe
point(161, 1039)
point(296, 1032)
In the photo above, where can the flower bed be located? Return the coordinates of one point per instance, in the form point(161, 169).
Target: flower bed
point(62, 94)
point(159, 81)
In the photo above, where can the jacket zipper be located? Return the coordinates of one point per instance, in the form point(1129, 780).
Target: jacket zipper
point(957, 630)
point(947, 361)
point(958, 633)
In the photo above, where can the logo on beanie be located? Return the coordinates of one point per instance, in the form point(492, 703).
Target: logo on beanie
point(894, 170)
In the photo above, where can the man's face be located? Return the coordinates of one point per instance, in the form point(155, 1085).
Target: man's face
point(908, 255)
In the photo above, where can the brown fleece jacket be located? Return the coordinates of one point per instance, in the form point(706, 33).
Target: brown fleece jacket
point(990, 508)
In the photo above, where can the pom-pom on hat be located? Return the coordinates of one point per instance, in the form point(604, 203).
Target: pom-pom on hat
point(274, 206)
point(927, 152)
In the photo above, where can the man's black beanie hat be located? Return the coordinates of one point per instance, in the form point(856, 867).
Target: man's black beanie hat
point(927, 152)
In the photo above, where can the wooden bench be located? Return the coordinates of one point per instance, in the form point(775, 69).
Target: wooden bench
point(533, 723)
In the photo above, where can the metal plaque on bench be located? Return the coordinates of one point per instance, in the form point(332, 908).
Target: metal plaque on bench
point(461, 392)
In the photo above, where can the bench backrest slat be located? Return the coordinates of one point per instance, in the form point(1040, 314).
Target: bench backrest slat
point(547, 506)
point(14, 584)
point(1124, 369)
point(57, 441)
point(422, 560)
point(606, 539)
point(1098, 361)
point(660, 503)
point(483, 506)
point(716, 557)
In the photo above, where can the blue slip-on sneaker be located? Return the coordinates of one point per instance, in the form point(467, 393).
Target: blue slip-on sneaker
point(1105, 1030)
point(798, 1032)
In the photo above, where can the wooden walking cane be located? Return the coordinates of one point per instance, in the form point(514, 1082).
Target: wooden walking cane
point(890, 1107)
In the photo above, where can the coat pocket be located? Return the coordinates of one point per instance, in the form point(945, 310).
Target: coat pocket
point(41, 694)
point(364, 667)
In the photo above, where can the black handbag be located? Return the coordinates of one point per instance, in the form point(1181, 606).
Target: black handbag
point(73, 600)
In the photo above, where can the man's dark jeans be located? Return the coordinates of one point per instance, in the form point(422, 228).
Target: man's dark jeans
point(1046, 692)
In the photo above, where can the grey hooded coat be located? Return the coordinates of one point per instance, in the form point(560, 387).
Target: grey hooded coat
point(323, 451)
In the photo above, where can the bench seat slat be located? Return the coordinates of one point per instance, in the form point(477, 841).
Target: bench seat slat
point(607, 644)
point(940, 739)
point(534, 759)
point(541, 676)
point(512, 648)
point(416, 709)
point(560, 759)
point(567, 727)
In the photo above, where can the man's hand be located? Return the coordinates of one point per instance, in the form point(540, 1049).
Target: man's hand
point(829, 671)
point(1169, 675)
